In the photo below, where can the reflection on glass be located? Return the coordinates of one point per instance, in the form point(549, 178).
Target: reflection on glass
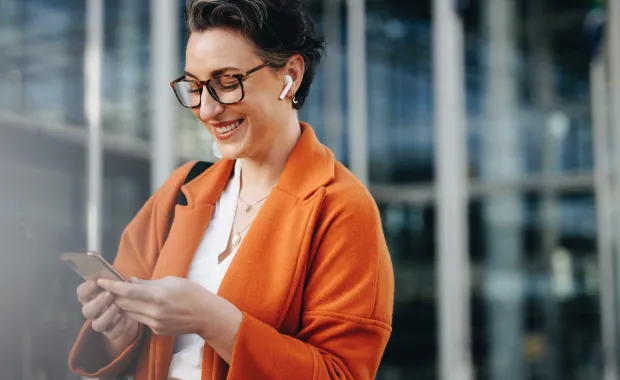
point(412, 349)
point(535, 302)
point(126, 188)
point(315, 109)
point(126, 69)
point(535, 288)
point(527, 86)
point(41, 60)
point(399, 81)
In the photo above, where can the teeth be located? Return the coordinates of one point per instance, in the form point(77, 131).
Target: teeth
point(229, 128)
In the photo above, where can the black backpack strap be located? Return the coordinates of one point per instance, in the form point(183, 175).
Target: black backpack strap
point(196, 170)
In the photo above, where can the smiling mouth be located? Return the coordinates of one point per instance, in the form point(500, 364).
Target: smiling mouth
point(229, 128)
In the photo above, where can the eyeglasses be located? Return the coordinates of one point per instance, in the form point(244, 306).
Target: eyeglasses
point(226, 89)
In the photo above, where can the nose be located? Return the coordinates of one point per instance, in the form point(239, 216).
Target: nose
point(209, 107)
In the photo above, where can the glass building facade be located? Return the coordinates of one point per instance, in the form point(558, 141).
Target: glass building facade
point(533, 233)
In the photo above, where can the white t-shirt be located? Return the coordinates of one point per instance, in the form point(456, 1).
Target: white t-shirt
point(187, 359)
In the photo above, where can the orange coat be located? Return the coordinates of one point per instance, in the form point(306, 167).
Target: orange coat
point(313, 276)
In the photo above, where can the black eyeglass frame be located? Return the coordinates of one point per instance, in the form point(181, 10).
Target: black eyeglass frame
point(207, 83)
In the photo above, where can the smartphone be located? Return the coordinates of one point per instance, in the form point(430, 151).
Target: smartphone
point(91, 266)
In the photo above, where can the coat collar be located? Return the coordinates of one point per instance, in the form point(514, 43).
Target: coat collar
point(309, 167)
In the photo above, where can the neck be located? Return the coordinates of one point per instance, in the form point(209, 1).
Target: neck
point(260, 174)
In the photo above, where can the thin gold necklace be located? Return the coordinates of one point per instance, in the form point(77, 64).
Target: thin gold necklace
point(237, 236)
point(248, 206)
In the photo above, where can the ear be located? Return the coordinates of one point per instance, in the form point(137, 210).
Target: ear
point(295, 68)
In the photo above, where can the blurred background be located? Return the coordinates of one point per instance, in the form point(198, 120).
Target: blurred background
point(488, 132)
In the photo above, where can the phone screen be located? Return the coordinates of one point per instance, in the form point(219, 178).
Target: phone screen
point(91, 266)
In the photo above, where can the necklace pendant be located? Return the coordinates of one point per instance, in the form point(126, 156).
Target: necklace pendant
point(236, 239)
point(248, 209)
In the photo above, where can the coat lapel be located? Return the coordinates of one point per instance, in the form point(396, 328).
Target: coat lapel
point(190, 223)
point(270, 264)
point(265, 271)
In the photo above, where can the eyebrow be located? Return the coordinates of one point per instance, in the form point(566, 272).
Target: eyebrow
point(214, 73)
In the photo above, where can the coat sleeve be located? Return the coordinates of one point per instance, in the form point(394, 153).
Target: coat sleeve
point(347, 308)
point(137, 254)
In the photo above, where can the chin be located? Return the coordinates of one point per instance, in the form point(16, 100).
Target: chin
point(230, 152)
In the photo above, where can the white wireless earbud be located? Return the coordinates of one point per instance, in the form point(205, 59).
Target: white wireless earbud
point(289, 84)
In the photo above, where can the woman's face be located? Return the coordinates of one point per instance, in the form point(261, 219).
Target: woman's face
point(247, 129)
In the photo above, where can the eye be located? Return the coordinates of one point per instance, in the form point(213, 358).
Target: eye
point(226, 82)
point(194, 87)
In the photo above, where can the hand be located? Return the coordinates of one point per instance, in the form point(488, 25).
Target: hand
point(106, 318)
point(176, 306)
point(169, 306)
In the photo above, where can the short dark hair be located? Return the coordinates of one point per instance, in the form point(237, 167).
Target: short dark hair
point(278, 29)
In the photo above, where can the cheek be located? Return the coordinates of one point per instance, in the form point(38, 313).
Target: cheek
point(251, 108)
point(264, 96)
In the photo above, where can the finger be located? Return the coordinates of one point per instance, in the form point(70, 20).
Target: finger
point(92, 309)
point(128, 290)
point(106, 320)
point(118, 328)
point(134, 306)
point(140, 318)
point(118, 317)
point(87, 291)
point(151, 323)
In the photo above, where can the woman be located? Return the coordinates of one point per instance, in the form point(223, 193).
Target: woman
point(277, 267)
